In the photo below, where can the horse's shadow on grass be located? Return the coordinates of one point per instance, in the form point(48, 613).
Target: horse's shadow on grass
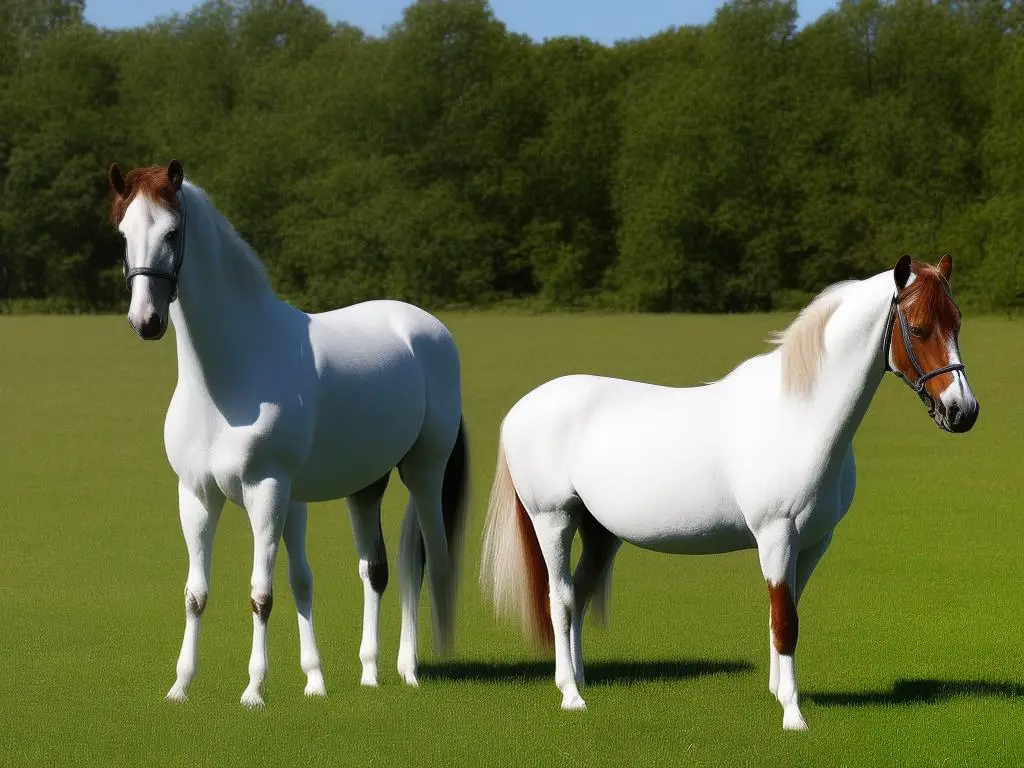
point(597, 672)
point(919, 691)
point(904, 692)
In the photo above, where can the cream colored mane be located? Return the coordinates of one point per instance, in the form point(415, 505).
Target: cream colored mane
point(802, 344)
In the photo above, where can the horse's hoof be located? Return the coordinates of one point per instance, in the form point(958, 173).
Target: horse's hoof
point(574, 703)
point(792, 720)
point(252, 699)
point(315, 685)
point(177, 693)
point(407, 672)
point(369, 678)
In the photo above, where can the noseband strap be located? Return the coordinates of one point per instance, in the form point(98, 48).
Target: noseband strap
point(179, 258)
point(922, 377)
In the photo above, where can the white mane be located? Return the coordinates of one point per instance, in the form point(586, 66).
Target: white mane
point(802, 343)
point(246, 265)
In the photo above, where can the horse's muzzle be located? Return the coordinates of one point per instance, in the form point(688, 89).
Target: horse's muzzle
point(962, 421)
point(151, 329)
point(954, 419)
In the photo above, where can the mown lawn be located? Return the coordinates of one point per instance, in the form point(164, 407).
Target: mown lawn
point(911, 644)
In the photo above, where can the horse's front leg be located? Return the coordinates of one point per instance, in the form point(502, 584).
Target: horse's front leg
point(805, 564)
point(199, 519)
point(267, 502)
point(776, 546)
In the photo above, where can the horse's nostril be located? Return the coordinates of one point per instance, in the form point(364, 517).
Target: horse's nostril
point(953, 414)
point(969, 418)
point(151, 327)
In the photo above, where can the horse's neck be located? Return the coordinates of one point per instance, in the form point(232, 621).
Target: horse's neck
point(222, 309)
point(854, 361)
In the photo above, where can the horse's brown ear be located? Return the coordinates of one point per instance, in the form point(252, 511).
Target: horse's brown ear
point(901, 272)
point(945, 266)
point(117, 182)
point(175, 174)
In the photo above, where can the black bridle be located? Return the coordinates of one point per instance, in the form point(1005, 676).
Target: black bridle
point(178, 249)
point(922, 376)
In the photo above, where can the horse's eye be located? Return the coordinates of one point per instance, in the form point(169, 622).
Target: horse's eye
point(171, 234)
point(915, 331)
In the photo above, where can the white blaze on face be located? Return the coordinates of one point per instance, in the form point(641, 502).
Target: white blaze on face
point(959, 392)
point(145, 227)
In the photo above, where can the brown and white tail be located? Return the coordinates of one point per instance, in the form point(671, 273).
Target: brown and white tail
point(512, 565)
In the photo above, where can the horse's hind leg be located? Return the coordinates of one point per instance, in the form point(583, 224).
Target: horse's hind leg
point(423, 475)
point(555, 531)
point(364, 512)
point(301, 579)
point(592, 573)
point(199, 519)
point(410, 575)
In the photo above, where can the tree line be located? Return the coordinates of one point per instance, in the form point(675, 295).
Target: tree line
point(740, 165)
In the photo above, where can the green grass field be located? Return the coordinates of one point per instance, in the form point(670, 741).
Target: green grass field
point(911, 645)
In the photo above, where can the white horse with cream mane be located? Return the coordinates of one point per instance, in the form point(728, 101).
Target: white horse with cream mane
point(275, 408)
point(761, 459)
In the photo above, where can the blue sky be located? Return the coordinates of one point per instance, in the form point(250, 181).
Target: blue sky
point(603, 20)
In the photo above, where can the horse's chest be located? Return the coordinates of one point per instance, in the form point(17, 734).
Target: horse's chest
point(205, 450)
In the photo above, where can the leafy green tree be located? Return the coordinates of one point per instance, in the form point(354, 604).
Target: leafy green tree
point(564, 170)
point(703, 197)
point(740, 165)
point(52, 232)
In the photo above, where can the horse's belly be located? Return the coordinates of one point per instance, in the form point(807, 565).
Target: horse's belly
point(342, 471)
point(350, 453)
point(657, 488)
point(693, 524)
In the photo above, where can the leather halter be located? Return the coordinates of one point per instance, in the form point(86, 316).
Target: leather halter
point(922, 377)
point(179, 258)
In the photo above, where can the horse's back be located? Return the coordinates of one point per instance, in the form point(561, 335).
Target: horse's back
point(400, 338)
point(384, 320)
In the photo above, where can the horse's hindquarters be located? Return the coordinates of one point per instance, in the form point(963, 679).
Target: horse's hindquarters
point(389, 382)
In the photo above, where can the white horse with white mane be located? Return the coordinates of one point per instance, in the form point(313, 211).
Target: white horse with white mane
point(760, 459)
point(275, 408)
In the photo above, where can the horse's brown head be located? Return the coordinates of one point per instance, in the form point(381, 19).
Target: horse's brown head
point(924, 348)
